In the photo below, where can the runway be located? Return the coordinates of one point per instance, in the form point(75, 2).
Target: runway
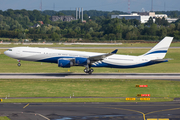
point(159, 76)
point(91, 111)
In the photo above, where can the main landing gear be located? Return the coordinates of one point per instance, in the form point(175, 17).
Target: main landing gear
point(88, 69)
point(19, 64)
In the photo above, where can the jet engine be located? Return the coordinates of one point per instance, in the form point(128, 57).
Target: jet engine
point(65, 63)
point(82, 61)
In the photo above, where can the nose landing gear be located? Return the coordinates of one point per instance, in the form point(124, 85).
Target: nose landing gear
point(19, 64)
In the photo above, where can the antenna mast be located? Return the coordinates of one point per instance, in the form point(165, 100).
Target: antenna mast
point(54, 7)
point(41, 6)
point(152, 5)
point(128, 6)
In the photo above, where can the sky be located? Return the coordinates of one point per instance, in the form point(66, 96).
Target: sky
point(104, 5)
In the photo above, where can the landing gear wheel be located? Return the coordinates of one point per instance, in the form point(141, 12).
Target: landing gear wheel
point(90, 71)
point(19, 64)
point(86, 71)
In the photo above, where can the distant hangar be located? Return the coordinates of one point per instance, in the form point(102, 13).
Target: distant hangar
point(143, 17)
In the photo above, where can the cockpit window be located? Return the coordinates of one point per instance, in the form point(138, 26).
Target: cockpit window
point(9, 49)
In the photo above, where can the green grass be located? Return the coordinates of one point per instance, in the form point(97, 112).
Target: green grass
point(4, 118)
point(87, 88)
point(9, 65)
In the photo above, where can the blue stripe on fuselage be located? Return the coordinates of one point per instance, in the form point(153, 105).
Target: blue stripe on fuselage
point(128, 66)
point(154, 52)
point(52, 60)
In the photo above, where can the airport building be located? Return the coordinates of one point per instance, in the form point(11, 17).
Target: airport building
point(143, 17)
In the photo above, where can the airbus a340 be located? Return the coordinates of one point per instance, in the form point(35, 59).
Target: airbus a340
point(67, 58)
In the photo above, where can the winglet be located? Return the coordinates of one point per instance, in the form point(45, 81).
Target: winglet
point(114, 52)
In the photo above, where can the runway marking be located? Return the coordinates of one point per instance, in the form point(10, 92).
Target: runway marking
point(145, 105)
point(116, 105)
point(162, 110)
point(44, 117)
point(144, 114)
point(26, 105)
point(129, 110)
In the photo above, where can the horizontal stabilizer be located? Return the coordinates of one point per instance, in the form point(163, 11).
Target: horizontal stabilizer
point(161, 60)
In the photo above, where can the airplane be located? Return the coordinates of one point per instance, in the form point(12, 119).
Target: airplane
point(68, 58)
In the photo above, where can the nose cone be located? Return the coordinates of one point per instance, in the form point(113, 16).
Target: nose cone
point(11, 53)
point(7, 53)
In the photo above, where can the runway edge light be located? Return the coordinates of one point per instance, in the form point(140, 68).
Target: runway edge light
point(144, 98)
point(130, 98)
point(141, 85)
point(143, 95)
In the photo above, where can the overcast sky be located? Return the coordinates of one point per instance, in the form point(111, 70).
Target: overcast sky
point(104, 5)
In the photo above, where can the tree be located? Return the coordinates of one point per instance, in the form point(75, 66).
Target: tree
point(112, 36)
point(176, 34)
point(158, 21)
point(88, 36)
point(43, 29)
point(178, 26)
point(60, 14)
point(85, 17)
point(71, 34)
point(162, 32)
point(21, 36)
point(174, 14)
point(10, 12)
point(153, 29)
point(47, 21)
point(164, 22)
point(172, 27)
point(27, 20)
point(55, 36)
point(150, 21)
point(1, 12)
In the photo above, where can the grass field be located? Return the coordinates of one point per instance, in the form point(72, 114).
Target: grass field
point(4, 118)
point(9, 65)
point(163, 90)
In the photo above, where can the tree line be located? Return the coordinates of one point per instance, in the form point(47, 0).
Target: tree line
point(99, 27)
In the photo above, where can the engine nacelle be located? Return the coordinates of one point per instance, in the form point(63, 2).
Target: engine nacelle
point(82, 61)
point(65, 63)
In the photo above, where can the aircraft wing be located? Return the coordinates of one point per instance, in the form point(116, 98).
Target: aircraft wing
point(101, 57)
